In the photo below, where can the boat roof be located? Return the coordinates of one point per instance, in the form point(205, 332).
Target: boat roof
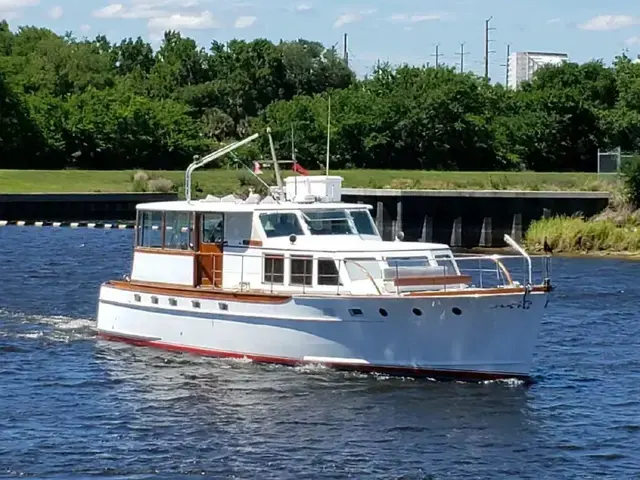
point(244, 206)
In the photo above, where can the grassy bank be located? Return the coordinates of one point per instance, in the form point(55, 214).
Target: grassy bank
point(579, 235)
point(229, 181)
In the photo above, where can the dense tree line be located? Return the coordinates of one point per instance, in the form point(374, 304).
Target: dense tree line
point(71, 103)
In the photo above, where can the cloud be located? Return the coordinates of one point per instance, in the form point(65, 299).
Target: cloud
point(245, 22)
point(13, 5)
point(56, 12)
point(605, 23)
point(303, 7)
point(353, 17)
point(178, 21)
point(633, 41)
point(113, 10)
point(406, 18)
point(553, 20)
point(85, 28)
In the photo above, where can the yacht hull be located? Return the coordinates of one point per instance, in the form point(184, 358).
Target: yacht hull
point(467, 337)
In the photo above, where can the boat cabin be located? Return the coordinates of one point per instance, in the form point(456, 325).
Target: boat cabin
point(308, 243)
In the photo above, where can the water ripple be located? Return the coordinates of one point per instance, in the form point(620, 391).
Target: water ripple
point(74, 406)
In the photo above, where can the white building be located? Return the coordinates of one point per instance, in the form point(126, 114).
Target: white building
point(522, 65)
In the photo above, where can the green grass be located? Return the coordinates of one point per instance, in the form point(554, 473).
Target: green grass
point(229, 181)
point(577, 235)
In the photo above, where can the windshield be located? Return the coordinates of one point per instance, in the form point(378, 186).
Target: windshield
point(328, 222)
point(363, 222)
point(280, 224)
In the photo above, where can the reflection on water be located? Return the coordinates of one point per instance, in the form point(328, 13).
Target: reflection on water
point(75, 406)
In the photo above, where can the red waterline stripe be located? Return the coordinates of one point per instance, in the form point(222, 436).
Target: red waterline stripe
point(394, 371)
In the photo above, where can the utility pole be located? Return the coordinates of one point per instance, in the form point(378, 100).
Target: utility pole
point(462, 54)
point(507, 65)
point(437, 55)
point(346, 50)
point(487, 29)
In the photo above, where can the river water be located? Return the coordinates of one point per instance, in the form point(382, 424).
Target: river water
point(72, 406)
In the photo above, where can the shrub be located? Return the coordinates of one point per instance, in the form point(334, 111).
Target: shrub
point(630, 170)
point(140, 181)
point(160, 185)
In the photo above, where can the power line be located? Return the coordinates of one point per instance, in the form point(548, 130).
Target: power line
point(437, 55)
point(461, 55)
point(487, 29)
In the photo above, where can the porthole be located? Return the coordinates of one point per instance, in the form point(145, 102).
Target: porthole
point(195, 303)
point(173, 302)
point(456, 311)
point(355, 312)
point(137, 297)
point(223, 306)
point(383, 312)
point(417, 312)
point(154, 300)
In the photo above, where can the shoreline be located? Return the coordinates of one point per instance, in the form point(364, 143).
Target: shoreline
point(631, 255)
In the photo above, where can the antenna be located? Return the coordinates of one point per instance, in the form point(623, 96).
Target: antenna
point(328, 135)
point(276, 166)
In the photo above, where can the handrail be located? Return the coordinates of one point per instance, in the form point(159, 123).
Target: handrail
point(371, 279)
point(504, 280)
point(208, 158)
point(520, 250)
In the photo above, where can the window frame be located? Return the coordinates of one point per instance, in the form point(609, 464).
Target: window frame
point(305, 274)
point(273, 257)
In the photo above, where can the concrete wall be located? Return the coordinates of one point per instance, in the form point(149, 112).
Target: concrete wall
point(460, 218)
point(469, 218)
point(75, 206)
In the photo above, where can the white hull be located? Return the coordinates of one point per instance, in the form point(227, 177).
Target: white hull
point(492, 337)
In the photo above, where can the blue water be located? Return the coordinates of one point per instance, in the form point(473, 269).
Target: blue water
point(72, 406)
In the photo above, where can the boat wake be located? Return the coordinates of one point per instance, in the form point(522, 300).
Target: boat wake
point(51, 328)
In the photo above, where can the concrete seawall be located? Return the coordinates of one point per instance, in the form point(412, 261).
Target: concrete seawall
point(469, 218)
point(460, 218)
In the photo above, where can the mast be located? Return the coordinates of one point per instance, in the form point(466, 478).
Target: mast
point(328, 135)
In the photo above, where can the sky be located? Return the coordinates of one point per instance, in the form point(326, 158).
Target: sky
point(397, 31)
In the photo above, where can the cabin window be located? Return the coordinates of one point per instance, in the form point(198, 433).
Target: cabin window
point(280, 224)
point(328, 222)
point(177, 230)
point(301, 271)
point(273, 269)
point(446, 263)
point(150, 229)
point(212, 228)
point(362, 268)
point(328, 272)
point(407, 262)
point(363, 222)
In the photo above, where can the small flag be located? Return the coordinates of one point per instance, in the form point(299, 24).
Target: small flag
point(256, 168)
point(298, 169)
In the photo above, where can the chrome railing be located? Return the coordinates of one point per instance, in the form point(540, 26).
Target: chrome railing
point(472, 271)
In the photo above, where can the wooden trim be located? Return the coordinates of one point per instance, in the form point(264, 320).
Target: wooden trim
point(468, 292)
point(164, 251)
point(252, 243)
point(440, 280)
point(191, 292)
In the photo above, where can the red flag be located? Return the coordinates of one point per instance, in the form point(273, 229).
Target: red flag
point(299, 169)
